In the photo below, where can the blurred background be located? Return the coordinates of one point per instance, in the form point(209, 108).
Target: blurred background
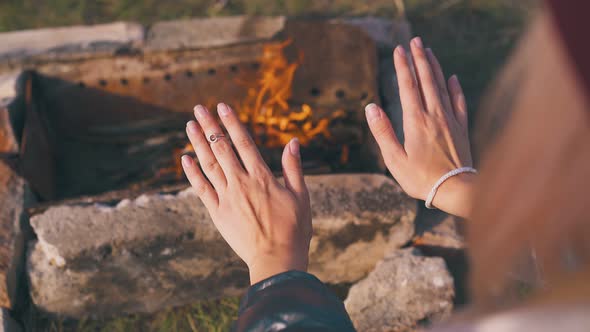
point(472, 38)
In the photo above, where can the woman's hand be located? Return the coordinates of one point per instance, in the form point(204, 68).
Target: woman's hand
point(267, 224)
point(435, 131)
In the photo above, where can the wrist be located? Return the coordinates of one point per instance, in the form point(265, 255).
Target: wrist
point(455, 195)
point(265, 267)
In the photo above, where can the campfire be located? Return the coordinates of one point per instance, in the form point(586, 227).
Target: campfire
point(271, 116)
point(267, 111)
point(122, 120)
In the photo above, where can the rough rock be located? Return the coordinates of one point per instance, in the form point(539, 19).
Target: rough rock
point(7, 323)
point(405, 290)
point(156, 251)
point(357, 219)
point(12, 204)
point(212, 32)
point(66, 42)
point(436, 229)
point(439, 234)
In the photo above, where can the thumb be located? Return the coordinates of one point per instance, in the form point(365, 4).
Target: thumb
point(382, 130)
point(292, 170)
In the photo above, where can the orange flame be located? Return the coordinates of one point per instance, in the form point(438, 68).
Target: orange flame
point(266, 109)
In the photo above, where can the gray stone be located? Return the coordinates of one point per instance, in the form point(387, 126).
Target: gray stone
point(439, 234)
point(436, 229)
point(357, 220)
point(212, 32)
point(404, 291)
point(156, 251)
point(69, 41)
point(12, 204)
point(7, 323)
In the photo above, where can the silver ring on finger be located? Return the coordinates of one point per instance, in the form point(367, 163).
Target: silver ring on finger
point(214, 138)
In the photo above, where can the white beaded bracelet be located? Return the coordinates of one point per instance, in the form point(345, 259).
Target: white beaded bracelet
point(442, 180)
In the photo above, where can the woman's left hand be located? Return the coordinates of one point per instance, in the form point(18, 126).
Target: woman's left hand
point(266, 223)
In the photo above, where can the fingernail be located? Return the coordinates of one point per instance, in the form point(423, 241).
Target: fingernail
point(191, 127)
point(200, 111)
point(372, 111)
point(294, 147)
point(223, 109)
point(429, 52)
point(186, 161)
point(400, 50)
point(418, 42)
point(454, 81)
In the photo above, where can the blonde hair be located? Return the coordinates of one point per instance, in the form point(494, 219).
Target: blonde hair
point(529, 235)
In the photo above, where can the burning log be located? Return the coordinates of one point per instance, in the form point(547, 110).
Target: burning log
point(267, 109)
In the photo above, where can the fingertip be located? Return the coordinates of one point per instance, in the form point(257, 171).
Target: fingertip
point(223, 109)
point(292, 170)
point(200, 111)
point(455, 85)
point(401, 60)
point(191, 127)
point(453, 80)
point(291, 152)
point(186, 161)
point(373, 112)
point(418, 51)
point(417, 42)
point(294, 147)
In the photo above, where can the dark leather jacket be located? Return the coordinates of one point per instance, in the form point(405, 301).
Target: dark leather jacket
point(292, 301)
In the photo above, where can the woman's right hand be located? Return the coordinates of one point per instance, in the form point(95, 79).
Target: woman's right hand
point(435, 131)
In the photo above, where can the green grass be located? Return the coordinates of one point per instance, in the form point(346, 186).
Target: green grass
point(26, 14)
point(215, 316)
